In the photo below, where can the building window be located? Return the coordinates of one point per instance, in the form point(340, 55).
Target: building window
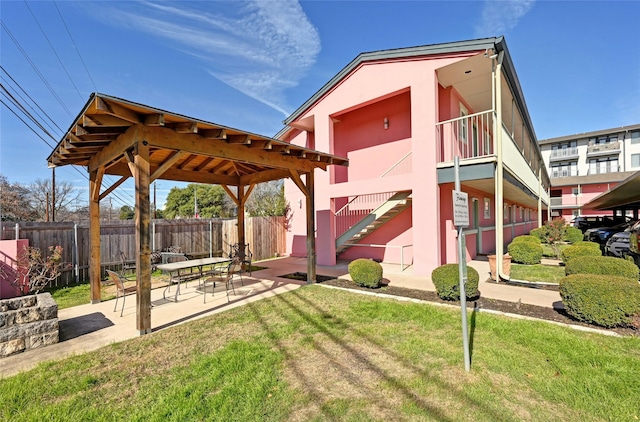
point(635, 160)
point(487, 208)
point(564, 169)
point(603, 165)
point(575, 191)
point(635, 137)
point(521, 213)
point(505, 212)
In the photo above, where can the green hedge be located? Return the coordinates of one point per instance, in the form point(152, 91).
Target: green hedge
point(540, 233)
point(587, 244)
point(602, 265)
point(526, 252)
point(573, 235)
point(607, 301)
point(446, 278)
point(365, 272)
point(526, 238)
point(579, 250)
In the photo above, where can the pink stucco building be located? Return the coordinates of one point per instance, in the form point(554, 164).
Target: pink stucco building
point(400, 116)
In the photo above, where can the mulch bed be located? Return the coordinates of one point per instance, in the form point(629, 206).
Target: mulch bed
point(539, 312)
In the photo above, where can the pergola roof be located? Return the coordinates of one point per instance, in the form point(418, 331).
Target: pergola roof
point(181, 148)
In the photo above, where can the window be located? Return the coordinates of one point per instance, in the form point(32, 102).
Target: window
point(487, 208)
point(635, 160)
point(505, 212)
point(521, 213)
point(575, 191)
point(635, 137)
point(603, 165)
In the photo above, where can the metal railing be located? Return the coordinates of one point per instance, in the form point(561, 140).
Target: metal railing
point(564, 152)
point(467, 136)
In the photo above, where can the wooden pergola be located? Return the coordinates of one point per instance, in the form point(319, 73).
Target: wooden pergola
point(112, 136)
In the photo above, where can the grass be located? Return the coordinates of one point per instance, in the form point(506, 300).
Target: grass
point(548, 252)
point(324, 354)
point(537, 272)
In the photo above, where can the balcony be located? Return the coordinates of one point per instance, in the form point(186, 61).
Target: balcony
point(556, 202)
point(598, 150)
point(564, 154)
point(467, 137)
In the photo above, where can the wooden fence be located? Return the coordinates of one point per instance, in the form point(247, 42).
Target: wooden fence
point(266, 237)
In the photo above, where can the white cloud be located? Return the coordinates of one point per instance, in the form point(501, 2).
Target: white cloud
point(260, 48)
point(498, 17)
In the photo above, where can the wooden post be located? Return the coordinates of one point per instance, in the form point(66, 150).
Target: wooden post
point(94, 234)
point(143, 237)
point(311, 235)
point(241, 201)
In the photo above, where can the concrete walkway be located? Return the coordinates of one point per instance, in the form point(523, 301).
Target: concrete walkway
point(89, 327)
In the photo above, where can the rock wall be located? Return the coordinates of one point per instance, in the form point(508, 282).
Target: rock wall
point(27, 322)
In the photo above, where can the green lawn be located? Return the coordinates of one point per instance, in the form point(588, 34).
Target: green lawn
point(322, 354)
point(537, 272)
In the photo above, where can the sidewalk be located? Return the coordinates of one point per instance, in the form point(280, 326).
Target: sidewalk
point(88, 327)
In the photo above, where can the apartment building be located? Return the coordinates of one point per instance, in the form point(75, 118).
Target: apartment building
point(585, 165)
point(401, 117)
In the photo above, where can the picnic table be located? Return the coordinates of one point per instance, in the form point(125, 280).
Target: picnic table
point(184, 271)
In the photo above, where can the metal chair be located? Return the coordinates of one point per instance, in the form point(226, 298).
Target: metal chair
point(243, 253)
point(127, 265)
point(121, 290)
point(224, 274)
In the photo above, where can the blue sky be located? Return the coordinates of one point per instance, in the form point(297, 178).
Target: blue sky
point(247, 64)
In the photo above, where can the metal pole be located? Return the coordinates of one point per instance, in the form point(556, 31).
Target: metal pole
point(17, 231)
point(462, 271)
point(76, 254)
point(210, 238)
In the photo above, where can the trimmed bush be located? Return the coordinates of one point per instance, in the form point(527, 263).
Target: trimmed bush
point(602, 265)
point(365, 272)
point(527, 252)
point(587, 244)
point(607, 301)
point(446, 278)
point(579, 250)
point(540, 233)
point(573, 235)
point(526, 238)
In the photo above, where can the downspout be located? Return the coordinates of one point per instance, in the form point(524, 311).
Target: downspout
point(540, 196)
point(499, 185)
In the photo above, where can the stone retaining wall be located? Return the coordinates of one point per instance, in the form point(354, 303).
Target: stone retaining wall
point(27, 322)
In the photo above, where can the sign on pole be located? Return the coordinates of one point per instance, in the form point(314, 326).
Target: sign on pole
point(460, 208)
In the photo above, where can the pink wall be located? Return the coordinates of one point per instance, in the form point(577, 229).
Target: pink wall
point(9, 250)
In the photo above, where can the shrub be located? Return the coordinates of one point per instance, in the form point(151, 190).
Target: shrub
point(602, 265)
point(365, 272)
point(527, 252)
point(540, 233)
point(587, 244)
point(607, 301)
point(573, 235)
point(579, 250)
point(526, 238)
point(446, 278)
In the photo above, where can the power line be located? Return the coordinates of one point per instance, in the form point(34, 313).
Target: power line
point(75, 46)
point(53, 49)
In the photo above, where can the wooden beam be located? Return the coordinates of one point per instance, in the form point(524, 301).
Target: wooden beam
point(184, 127)
point(79, 130)
point(168, 139)
point(143, 238)
point(112, 187)
point(295, 177)
point(239, 139)
point(166, 165)
point(130, 161)
point(94, 236)
point(231, 194)
point(264, 176)
point(241, 200)
point(260, 143)
point(95, 194)
point(189, 159)
point(204, 163)
point(116, 110)
point(213, 133)
point(311, 235)
point(156, 119)
point(114, 150)
point(249, 190)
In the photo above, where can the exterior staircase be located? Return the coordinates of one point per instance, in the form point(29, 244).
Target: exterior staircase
point(385, 212)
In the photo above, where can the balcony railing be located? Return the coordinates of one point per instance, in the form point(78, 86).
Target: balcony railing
point(564, 153)
point(556, 202)
point(604, 149)
point(467, 137)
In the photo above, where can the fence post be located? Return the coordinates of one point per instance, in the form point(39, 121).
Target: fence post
point(210, 238)
point(76, 255)
point(17, 231)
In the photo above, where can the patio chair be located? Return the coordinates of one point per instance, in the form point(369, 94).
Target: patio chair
point(243, 253)
point(224, 274)
point(121, 290)
point(127, 265)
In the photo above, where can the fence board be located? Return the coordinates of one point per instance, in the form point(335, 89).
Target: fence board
point(265, 235)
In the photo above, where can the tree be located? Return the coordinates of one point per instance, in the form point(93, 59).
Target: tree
point(127, 212)
point(14, 203)
point(41, 197)
point(267, 199)
point(212, 201)
point(36, 270)
point(553, 234)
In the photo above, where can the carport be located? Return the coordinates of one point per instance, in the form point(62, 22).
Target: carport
point(622, 198)
point(113, 136)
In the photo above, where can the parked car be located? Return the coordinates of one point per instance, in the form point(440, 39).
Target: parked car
point(618, 245)
point(602, 234)
point(634, 243)
point(585, 223)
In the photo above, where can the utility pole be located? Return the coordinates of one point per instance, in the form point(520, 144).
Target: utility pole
point(155, 204)
point(53, 194)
